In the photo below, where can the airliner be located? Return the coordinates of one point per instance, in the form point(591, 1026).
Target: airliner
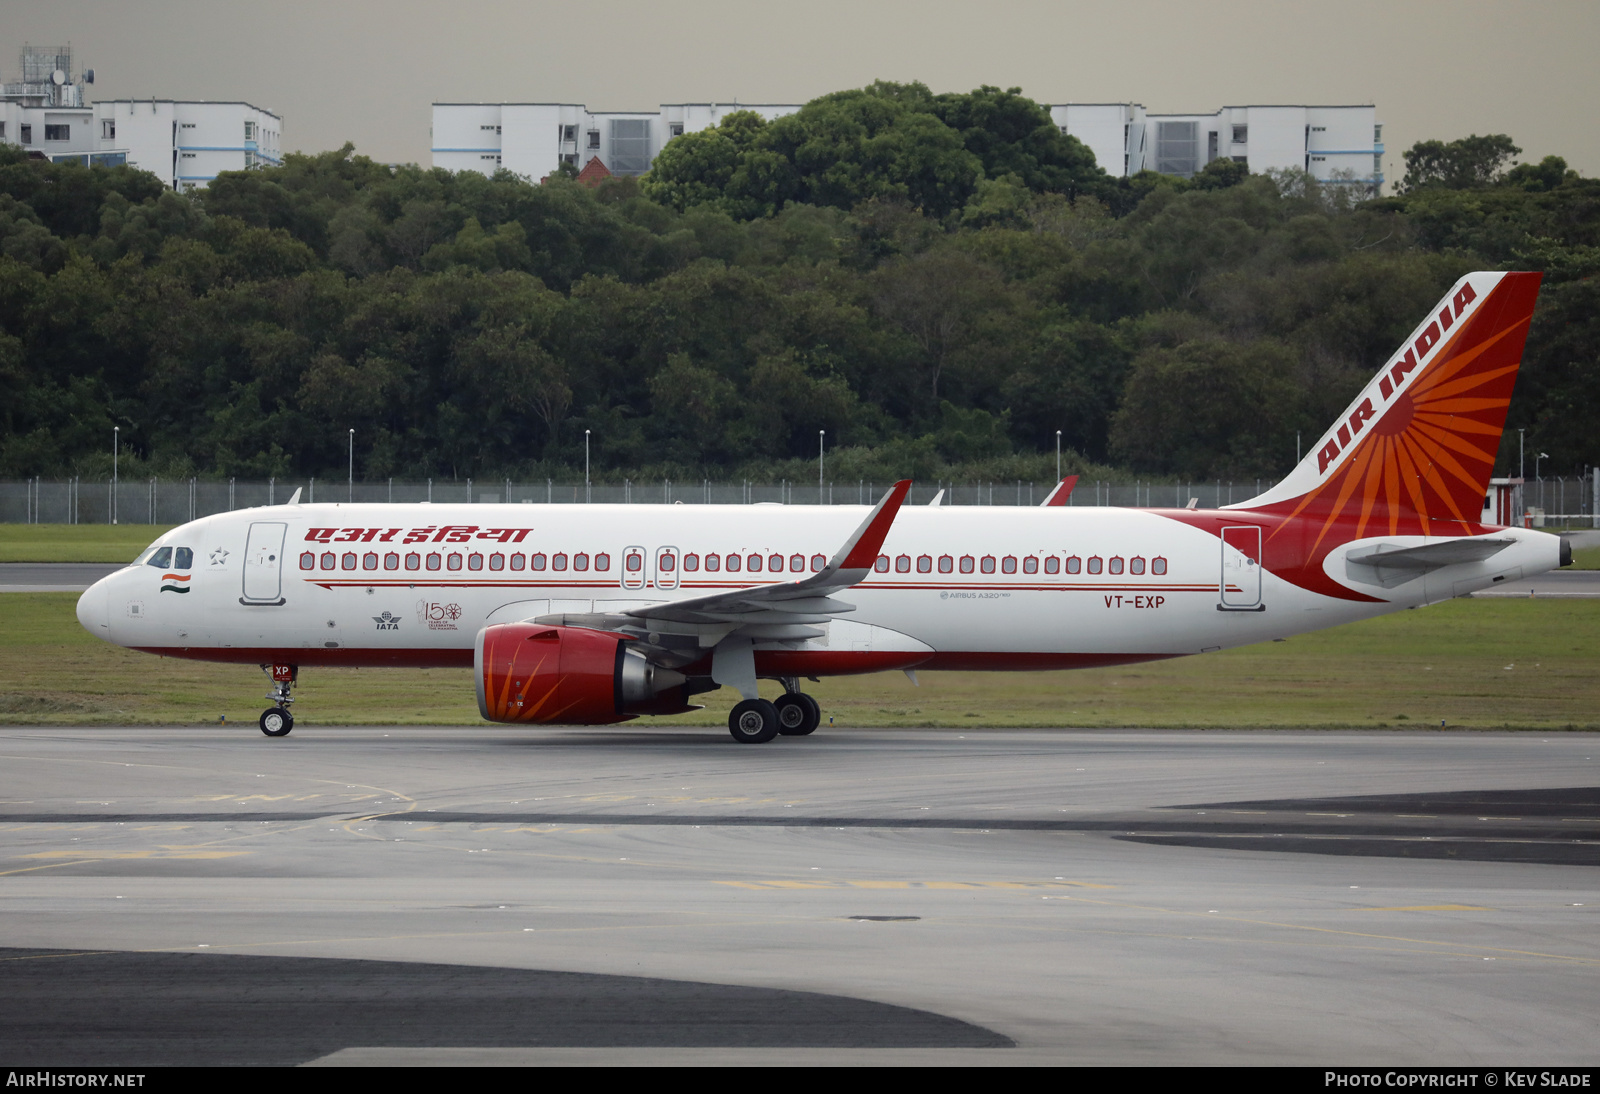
point(595, 614)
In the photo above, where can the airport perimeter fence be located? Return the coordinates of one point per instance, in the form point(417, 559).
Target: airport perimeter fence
point(174, 501)
point(1565, 502)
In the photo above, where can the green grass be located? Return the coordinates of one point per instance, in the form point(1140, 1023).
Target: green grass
point(1471, 663)
point(76, 542)
point(1586, 558)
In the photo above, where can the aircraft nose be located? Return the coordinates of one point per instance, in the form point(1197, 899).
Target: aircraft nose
point(94, 612)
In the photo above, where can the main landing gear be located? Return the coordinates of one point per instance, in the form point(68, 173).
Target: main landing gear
point(756, 721)
point(276, 721)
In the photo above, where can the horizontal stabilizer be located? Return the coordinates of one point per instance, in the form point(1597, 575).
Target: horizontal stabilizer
point(1387, 565)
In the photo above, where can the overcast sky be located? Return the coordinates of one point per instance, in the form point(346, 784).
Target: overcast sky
point(368, 72)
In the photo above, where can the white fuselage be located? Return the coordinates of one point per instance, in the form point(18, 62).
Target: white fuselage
point(979, 587)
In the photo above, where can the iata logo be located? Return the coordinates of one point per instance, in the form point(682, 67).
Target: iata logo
point(437, 616)
point(387, 622)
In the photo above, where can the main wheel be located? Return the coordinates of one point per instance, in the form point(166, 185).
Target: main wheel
point(798, 714)
point(753, 722)
point(276, 722)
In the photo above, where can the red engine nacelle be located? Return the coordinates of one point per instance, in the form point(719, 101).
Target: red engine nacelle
point(526, 672)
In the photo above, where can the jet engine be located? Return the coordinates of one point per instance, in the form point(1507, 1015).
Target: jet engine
point(527, 672)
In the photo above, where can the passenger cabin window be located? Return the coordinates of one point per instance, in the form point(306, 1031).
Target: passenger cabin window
point(1136, 565)
point(558, 561)
point(713, 563)
point(882, 565)
point(497, 562)
point(474, 562)
point(580, 561)
point(536, 561)
point(902, 564)
point(1074, 565)
point(733, 564)
point(413, 561)
point(924, 564)
point(1096, 564)
point(308, 561)
point(518, 562)
point(433, 561)
point(1052, 565)
point(391, 561)
point(1116, 564)
point(327, 560)
point(691, 563)
point(1158, 565)
point(966, 564)
point(753, 564)
point(1030, 565)
point(1008, 565)
point(946, 564)
point(987, 564)
point(602, 562)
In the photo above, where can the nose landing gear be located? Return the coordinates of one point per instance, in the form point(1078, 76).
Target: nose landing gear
point(276, 721)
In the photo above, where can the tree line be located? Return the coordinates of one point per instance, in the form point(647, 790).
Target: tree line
point(938, 282)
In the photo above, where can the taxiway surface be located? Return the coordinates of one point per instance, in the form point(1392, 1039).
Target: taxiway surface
point(413, 895)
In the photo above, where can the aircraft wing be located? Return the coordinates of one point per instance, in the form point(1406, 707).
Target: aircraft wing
point(786, 610)
point(1062, 491)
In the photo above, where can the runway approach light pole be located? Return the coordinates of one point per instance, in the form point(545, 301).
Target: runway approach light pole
point(586, 466)
point(116, 435)
point(1058, 455)
point(352, 494)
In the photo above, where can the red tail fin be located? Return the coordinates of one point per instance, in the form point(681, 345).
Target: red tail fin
point(1412, 455)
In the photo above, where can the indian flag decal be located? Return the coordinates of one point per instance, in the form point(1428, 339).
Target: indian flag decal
point(174, 583)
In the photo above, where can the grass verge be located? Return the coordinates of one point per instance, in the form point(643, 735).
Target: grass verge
point(1469, 663)
point(76, 542)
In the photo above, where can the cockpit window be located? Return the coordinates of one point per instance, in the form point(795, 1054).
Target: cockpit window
point(182, 558)
point(162, 559)
point(144, 556)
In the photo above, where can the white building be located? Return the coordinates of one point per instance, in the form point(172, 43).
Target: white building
point(1332, 143)
point(534, 139)
point(44, 110)
point(185, 144)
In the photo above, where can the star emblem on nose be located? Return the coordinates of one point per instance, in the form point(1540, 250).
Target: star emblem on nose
point(218, 556)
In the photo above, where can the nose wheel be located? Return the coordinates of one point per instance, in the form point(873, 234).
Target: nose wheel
point(276, 721)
